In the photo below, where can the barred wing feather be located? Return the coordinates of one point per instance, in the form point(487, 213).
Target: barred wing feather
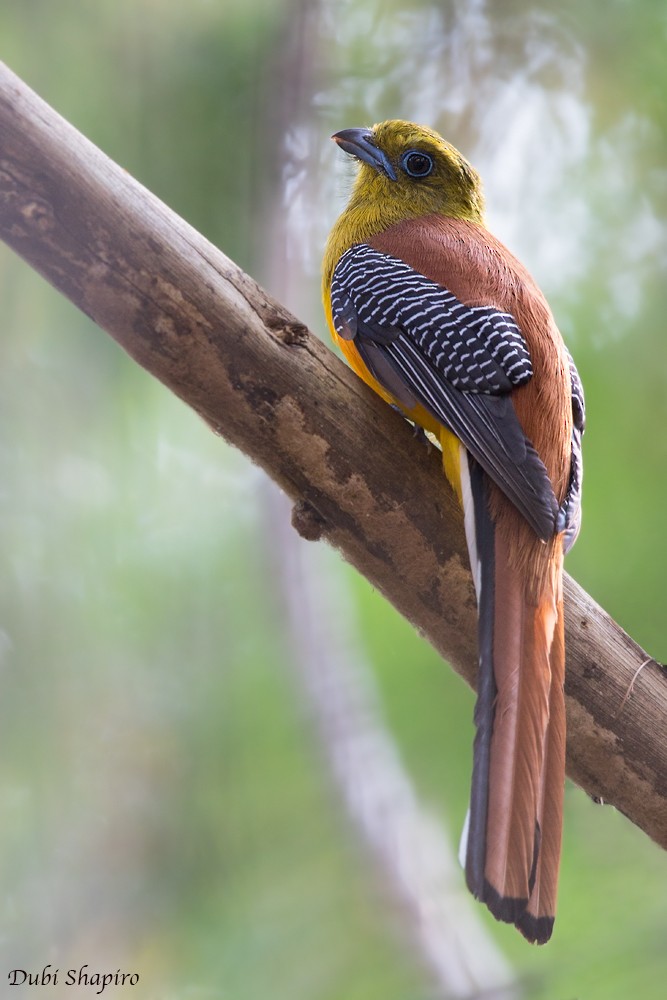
point(460, 362)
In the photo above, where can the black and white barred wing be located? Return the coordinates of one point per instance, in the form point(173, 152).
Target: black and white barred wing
point(570, 511)
point(459, 362)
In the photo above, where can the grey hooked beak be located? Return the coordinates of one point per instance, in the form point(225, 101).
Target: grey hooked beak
point(359, 142)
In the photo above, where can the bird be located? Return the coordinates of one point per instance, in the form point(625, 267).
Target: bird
point(445, 324)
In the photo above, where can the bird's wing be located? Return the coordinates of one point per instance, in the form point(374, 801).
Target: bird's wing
point(570, 509)
point(459, 362)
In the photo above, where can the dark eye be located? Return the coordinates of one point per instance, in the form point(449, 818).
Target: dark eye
point(417, 164)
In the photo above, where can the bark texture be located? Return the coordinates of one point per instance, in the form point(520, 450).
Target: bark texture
point(357, 477)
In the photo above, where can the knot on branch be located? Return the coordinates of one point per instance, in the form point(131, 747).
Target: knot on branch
point(290, 331)
point(308, 522)
point(294, 334)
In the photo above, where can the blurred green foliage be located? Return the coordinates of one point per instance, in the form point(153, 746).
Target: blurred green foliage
point(164, 804)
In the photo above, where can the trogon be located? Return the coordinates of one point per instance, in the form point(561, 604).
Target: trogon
point(443, 322)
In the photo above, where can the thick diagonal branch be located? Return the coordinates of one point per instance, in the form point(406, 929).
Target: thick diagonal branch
point(195, 321)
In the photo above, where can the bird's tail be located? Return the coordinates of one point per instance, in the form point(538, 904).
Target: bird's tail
point(514, 828)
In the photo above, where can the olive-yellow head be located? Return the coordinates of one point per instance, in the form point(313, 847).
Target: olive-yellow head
point(405, 171)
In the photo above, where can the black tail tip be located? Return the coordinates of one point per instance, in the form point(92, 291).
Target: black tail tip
point(537, 930)
point(512, 910)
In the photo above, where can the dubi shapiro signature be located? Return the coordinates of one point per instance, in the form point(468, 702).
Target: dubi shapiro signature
point(72, 977)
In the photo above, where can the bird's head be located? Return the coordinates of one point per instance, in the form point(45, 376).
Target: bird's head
point(409, 170)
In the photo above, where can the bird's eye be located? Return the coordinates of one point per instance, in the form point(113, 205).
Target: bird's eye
point(417, 164)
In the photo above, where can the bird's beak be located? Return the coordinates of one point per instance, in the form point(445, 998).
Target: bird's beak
point(359, 142)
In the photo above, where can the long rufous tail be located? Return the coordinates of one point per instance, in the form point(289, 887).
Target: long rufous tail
point(514, 829)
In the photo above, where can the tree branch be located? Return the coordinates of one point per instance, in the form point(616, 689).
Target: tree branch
point(195, 321)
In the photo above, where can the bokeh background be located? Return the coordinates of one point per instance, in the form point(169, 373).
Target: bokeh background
point(166, 804)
